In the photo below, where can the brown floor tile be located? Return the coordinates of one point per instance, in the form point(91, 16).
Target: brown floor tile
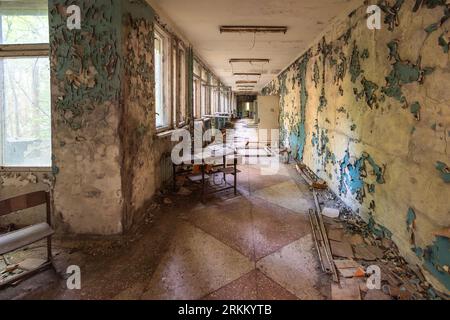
point(275, 227)
point(252, 286)
point(229, 222)
point(258, 181)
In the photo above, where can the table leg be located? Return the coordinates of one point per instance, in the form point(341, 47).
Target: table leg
point(235, 173)
point(224, 166)
point(203, 182)
point(174, 178)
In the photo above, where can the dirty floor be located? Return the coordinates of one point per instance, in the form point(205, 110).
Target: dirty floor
point(256, 245)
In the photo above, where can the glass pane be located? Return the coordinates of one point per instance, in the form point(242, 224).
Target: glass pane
point(183, 86)
point(175, 97)
point(21, 28)
point(25, 112)
point(158, 83)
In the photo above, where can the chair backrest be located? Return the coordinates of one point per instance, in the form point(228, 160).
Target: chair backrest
point(23, 202)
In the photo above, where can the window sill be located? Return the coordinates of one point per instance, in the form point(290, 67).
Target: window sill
point(164, 134)
point(169, 132)
point(26, 169)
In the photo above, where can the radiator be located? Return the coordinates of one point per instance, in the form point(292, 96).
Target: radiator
point(166, 169)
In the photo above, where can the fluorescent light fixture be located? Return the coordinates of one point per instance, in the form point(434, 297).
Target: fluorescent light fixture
point(249, 60)
point(247, 74)
point(245, 82)
point(254, 29)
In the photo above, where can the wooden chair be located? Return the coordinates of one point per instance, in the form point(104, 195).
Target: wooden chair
point(14, 240)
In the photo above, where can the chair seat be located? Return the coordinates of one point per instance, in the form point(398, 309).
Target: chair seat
point(17, 239)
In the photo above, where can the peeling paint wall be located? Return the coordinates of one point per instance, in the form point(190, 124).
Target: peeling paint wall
point(137, 128)
point(106, 150)
point(375, 108)
point(86, 71)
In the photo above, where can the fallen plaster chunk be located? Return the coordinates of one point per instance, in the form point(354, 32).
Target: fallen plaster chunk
point(331, 212)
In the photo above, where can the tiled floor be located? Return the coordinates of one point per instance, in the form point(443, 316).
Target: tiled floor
point(256, 245)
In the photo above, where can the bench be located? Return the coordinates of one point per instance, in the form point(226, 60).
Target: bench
point(17, 239)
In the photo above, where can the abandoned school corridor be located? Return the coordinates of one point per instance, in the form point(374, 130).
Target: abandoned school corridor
point(335, 131)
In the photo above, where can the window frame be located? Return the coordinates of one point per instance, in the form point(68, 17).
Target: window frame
point(166, 86)
point(183, 85)
point(14, 51)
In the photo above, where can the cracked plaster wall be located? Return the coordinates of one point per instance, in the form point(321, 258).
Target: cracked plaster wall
point(105, 151)
point(369, 112)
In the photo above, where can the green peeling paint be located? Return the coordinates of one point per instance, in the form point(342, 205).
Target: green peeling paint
point(355, 66)
point(352, 174)
point(415, 110)
point(435, 257)
point(403, 72)
point(316, 76)
point(298, 136)
point(410, 218)
point(432, 27)
point(391, 12)
point(444, 170)
point(369, 92)
point(96, 56)
point(444, 44)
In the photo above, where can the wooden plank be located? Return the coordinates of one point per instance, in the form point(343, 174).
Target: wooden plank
point(336, 234)
point(22, 202)
point(341, 249)
point(344, 264)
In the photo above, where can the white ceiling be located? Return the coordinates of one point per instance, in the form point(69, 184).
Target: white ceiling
point(199, 22)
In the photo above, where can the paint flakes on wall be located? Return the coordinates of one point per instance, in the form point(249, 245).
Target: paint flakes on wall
point(444, 170)
point(403, 72)
point(354, 172)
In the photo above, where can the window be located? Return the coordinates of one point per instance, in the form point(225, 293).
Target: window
point(162, 105)
point(175, 84)
point(203, 92)
point(25, 104)
point(197, 95)
point(183, 86)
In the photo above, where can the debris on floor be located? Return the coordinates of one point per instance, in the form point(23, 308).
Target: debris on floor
point(360, 249)
point(346, 289)
point(357, 245)
point(330, 212)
